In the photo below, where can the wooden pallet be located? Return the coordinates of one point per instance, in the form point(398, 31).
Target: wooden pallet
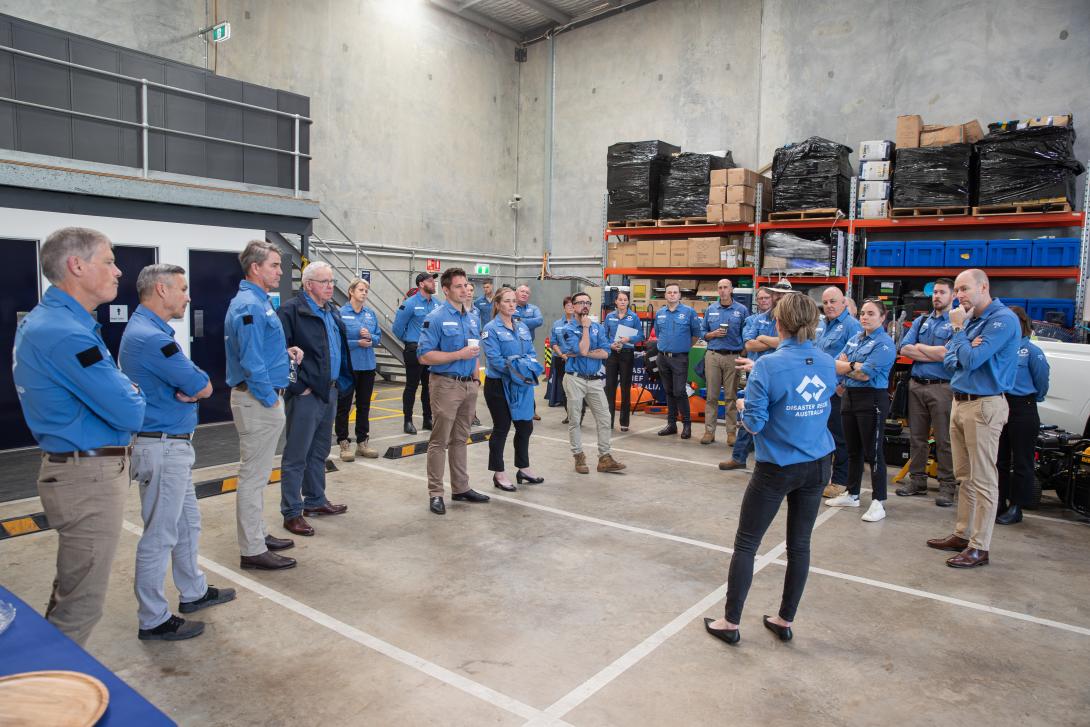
point(619, 224)
point(684, 222)
point(928, 211)
point(820, 213)
point(1034, 207)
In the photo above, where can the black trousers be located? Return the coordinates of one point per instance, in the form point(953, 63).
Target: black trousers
point(363, 384)
point(416, 374)
point(500, 411)
point(1017, 444)
point(673, 370)
point(619, 370)
point(840, 455)
point(801, 484)
point(557, 396)
point(863, 412)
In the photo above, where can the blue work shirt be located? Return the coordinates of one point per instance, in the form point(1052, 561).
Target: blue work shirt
point(1033, 369)
point(73, 396)
point(484, 308)
point(875, 355)
point(410, 316)
point(676, 329)
point(734, 315)
point(151, 357)
point(332, 332)
point(630, 319)
point(362, 358)
point(833, 335)
point(530, 314)
point(758, 324)
point(787, 403)
point(257, 351)
point(570, 335)
point(990, 368)
point(448, 328)
point(930, 330)
point(499, 342)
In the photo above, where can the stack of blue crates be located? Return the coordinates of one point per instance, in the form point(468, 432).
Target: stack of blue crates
point(885, 254)
point(1039, 308)
point(966, 253)
point(925, 253)
point(1055, 252)
point(1009, 253)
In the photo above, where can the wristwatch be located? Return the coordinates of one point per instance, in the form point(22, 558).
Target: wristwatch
point(852, 365)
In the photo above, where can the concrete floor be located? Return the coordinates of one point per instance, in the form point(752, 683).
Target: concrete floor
point(579, 601)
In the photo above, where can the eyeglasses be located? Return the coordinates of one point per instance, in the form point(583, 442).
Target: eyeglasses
point(580, 302)
point(322, 282)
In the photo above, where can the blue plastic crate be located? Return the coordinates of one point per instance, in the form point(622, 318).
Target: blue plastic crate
point(1020, 302)
point(1055, 252)
point(1009, 253)
point(925, 253)
point(885, 254)
point(1039, 308)
point(966, 253)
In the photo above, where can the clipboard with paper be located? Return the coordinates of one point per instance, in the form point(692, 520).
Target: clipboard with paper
point(624, 331)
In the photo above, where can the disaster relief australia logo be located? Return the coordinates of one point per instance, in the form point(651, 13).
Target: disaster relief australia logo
point(810, 390)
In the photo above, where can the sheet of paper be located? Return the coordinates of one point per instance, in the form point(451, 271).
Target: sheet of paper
point(625, 332)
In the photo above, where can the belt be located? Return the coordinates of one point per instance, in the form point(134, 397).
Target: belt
point(1021, 397)
point(456, 377)
point(243, 386)
point(60, 457)
point(958, 396)
point(920, 380)
point(588, 377)
point(411, 345)
point(729, 353)
point(670, 353)
point(160, 435)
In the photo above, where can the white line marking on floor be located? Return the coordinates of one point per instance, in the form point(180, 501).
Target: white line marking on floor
point(631, 433)
point(947, 599)
point(642, 454)
point(1032, 516)
point(626, 661)
point(374, 643)
point(20, 502)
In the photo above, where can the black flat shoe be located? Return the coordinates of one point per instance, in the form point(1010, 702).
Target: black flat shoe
point(731, 636)
point(436, 505)
point(667, 430)
point(520, 478)
point(427, 423)
point(409, 428)
point(784, 632)
point(506, 487)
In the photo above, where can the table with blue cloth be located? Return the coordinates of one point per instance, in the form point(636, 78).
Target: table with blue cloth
point(31, 643)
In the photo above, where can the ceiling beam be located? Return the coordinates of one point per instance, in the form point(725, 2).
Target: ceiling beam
point(547, 10)
point(467, 4)
point(478, 19)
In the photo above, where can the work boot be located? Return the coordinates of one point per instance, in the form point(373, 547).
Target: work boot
point(669, 429)
point(363, 449)
point(606, 463)
point(731, 438)
point(912, 488)
point(708, 438)
point(832, 490)
point(347, 455)
point(686, 430)
point(581, 464)
point(947, 491)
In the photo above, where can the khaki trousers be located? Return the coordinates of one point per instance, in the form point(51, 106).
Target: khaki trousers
point(259, 429)
point(719, 373)
point(929, 408)
point(593, 392)
point(84, 500)
point(453, 404)
point(975, 427)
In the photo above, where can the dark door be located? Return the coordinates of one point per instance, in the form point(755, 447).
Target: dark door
point(213, 282)
point(114, 315)
point(19, 281)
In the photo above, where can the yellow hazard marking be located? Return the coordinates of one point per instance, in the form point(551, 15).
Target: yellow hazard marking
point(229, 485)
point(407, 451)
point(22, 526)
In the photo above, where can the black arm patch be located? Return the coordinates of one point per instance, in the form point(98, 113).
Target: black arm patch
point(170, 349)
point(401, 307)
point(426, 324)
point(90, 357)
point(247, 320)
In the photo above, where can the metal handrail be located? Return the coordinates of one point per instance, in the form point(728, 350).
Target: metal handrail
point(359, 250)
point(342, 266)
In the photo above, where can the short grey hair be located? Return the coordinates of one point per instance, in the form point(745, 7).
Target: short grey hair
point(257, 251)
point(152, 275)
point(314, 268)
point(65, 243)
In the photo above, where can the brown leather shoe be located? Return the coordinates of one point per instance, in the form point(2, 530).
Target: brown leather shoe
point(606, 463)
point(968, 558)
point(327, 509)
point(581, 463)
point(708, 438)
point(950, 542)
point(267, 561)
point(298, 525)
point(730, 464)
point(278, 543)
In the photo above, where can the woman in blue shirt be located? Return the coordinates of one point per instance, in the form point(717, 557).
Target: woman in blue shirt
point(559, 358)
point(504, 337)
point(864, 366)
point(1018, 441)
point(363, 335)
point(786, 407)
point(619, 363)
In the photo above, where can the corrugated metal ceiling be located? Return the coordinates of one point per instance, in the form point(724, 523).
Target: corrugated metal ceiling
point(531, 18)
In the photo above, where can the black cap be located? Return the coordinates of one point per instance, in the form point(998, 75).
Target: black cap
point(425, 276)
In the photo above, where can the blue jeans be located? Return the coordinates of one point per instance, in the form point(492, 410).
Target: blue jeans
point(743, 445)
point(302, 466)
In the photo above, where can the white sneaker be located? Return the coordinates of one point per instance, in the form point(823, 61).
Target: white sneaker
point(845, 500)
point(874, 513)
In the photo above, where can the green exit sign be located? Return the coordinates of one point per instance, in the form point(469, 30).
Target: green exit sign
point(221, 32)
point(483, 269)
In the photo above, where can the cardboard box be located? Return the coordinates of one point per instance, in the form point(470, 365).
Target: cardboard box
point(1064, 120)
point(660, 257)
point(876, 171)
point(613, 255)
point(731, 256)
point(744, 241)
point(874, 210)
point(714, 212)
point(686, 285)
point(912, 132)
point(742, 195)
point(704, 251)
point(707, 289)
point(875, 151)
point(908, 131)
point(679, 253)
point(641, 290)
point(628, 255)
point(742, 177)
point(699, 306)
point(717, 195)
point(645, 253)
point(873, 190)
point(738, 213)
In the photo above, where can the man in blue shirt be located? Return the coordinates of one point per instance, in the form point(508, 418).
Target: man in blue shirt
point(259, 364)
point(314, 324)
point(833, 332)
point(407, 324)
point(983, 357)
point(450, 340)
point(483, 304)
point(677, 328)
point(586, 345)
point(83, 412)
point(722, 329)
point(162, 458)
point(929, 397)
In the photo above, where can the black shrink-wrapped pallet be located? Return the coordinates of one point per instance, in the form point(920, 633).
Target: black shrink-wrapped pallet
point(685, 188)
point(811, 174)
point(933, 176)
point(633, 178)
point(1026, 165)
